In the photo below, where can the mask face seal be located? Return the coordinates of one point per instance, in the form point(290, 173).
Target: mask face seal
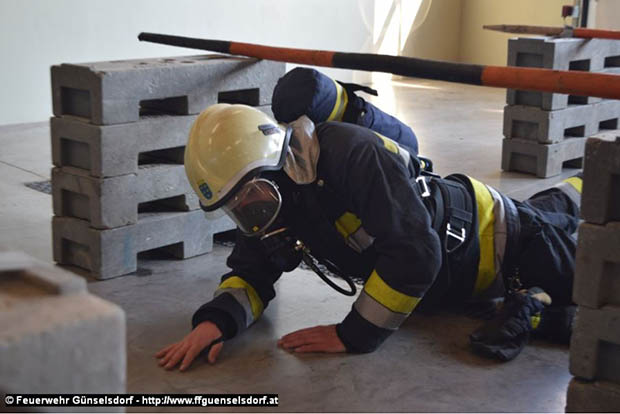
point(255, 206)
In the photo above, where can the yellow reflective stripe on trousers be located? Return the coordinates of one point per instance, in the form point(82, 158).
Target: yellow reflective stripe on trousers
point(576, 182)
point(572, 188)
point(389, 297)
point(235, 282)
point(486, 221)
point(342, 99)
point(347, 224)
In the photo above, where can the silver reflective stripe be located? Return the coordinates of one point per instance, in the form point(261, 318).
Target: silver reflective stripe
point(500, 233)
point(377, 314)
point(405, 155)
point(241, 297)
point(500, 237)
point(359, 240)
point(570, 191)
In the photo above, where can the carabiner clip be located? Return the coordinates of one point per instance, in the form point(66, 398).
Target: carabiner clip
point(425, 191)
point(460, 237)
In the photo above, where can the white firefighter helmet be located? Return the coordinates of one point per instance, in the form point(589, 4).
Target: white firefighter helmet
point(228, 147)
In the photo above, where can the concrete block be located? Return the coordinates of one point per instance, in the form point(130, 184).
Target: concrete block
point(112, 150)
point(547, 127)
point(116, 201)
point(544, 160)
point(592, 397)
point(593, 55)
point(597, 272)
point(595, 344)
point(55, 336)
point(600, 201)
point(113, 252)
point(117, 92)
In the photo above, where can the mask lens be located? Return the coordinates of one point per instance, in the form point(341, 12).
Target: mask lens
point(255, 206)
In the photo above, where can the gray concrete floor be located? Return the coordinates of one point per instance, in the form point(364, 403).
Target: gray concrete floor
point(426, 366)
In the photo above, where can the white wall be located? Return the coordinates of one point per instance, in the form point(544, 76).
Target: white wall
point(35, 34)
point(604, 14)
point(453, 30)
point(477, 45)
point(436, 33)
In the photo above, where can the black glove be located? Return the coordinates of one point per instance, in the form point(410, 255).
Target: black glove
point(504, 337)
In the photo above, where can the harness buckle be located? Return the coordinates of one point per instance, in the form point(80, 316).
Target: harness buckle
point(425, 191)
point(460, 237)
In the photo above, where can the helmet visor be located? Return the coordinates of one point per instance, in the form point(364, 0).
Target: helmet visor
point(255, 206)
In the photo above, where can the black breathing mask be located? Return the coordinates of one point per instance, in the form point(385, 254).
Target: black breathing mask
point(256, 209)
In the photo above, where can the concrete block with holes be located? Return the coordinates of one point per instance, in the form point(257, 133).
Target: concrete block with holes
point(116, 92)
point(592, 397)
point(593, 55)
point(113, 252)
point(600, 202)
point(112, 150)
point(595, 344)
point(597, 272)
point(115, 201)
point(548, 127)
point(55, 336)
point(544, 160)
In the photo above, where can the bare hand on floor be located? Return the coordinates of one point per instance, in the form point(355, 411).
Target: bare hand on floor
point(190, 347)
point(315, 339)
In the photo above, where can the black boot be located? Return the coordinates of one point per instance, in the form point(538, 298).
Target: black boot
point(505, 336)
point(556, 324)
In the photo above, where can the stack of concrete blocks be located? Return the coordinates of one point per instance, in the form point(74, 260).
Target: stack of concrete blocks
point(56, 337)
point(543, 131)
point(118, 140)
point(595, 344)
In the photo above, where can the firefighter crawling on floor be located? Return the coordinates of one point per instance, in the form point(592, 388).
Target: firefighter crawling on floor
point(344, 195)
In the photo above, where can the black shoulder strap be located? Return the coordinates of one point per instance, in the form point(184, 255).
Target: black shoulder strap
point(451, 206)
point(458, 212)
point(353, 87)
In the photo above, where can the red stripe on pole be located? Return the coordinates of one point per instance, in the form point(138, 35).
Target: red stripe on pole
point(283, 54)
point(559, 81)
point(596, 33)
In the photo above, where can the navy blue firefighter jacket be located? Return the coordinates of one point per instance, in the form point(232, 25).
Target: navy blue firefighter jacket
point(379, 231)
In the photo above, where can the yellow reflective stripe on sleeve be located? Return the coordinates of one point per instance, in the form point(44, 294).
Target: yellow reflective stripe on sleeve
point(388, 143)
point(255, 301)
point(535, 321)
point(486, 221)
point(342, 99)
point(348, 224)
point(392, 146)
point(576, 182)
point(388, 297)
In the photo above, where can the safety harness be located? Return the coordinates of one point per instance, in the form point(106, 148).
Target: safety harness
point(450, 205)
point(453, 209)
